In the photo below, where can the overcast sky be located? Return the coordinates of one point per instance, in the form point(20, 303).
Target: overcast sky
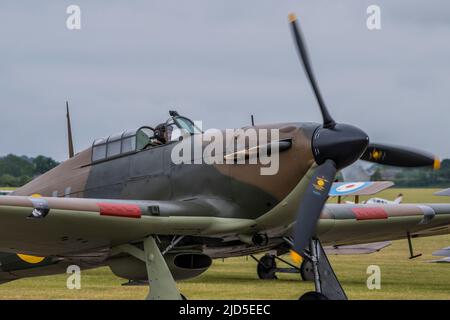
point(220, 61)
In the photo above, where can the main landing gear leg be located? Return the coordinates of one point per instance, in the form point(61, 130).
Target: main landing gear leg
point(160, 280)
point(162, 285)
point(326, 283)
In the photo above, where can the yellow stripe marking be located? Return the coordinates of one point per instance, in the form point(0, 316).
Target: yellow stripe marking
point(296, 257)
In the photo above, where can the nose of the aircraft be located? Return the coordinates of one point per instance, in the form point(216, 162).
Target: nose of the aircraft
point(342, 143)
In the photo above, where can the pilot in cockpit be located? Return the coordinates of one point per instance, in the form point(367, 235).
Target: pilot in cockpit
point(160, 136)
point(163, 133)
point(174, 129)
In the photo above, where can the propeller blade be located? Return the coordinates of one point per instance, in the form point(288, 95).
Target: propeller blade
point(399, 156)
point(312, 203)
point(328, 121)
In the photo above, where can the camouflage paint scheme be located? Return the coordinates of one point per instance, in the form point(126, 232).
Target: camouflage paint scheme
point(95, 207)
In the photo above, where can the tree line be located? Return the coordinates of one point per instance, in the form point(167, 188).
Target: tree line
point(416, 177)
point(16, 171)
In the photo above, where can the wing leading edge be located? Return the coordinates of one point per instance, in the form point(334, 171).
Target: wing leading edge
point(347, 224)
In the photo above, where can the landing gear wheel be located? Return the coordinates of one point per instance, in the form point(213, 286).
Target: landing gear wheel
point(313, 295)
point(306, 270)
point(267, 267)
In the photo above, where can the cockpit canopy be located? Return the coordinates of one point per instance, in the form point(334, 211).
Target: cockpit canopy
point(128, 141)
point(120, 143)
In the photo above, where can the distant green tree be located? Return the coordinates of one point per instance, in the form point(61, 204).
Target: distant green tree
point(377, 175)
point(445, 164)
point(16, 171)
point(43, 164)
point(16, 166)
point(7, 180)
point(23, 180)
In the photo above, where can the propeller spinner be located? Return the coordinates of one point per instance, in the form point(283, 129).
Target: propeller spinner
point(336, 146)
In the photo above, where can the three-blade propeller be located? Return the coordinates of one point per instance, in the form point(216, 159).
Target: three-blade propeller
point(336, 146)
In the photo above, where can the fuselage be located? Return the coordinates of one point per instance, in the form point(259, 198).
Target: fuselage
point(150, 174)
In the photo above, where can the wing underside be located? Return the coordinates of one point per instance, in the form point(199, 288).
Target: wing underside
point(61, 226)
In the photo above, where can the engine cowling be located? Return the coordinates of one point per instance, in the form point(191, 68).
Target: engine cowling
point(182, 265)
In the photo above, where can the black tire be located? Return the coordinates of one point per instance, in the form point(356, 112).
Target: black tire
point(306, 270)
point(313, 295)
point(266, 268)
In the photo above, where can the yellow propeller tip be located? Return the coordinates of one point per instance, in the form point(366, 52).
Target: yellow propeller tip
point(30, 259)
point(437, 164)
point(292, 17)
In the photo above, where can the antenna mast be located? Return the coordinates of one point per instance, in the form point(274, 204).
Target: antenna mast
point(69, 131)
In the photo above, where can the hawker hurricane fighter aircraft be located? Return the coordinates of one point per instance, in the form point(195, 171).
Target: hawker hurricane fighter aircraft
point(125, 204)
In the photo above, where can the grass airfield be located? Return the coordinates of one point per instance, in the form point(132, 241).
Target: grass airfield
point(235, 278)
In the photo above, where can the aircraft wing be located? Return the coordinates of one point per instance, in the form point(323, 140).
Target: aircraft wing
point(363, 188)
point(442, 260)
point(445, 192)
point(349, 224)
point(59, 226)
point(364, 248)
point(444, 252)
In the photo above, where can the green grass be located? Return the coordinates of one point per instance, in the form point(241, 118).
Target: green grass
point(7, 188)
point(235, 278)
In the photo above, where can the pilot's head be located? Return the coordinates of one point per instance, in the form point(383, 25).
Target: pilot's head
point(160, 133)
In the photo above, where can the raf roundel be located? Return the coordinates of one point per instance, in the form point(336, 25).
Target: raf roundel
point(347, 188)
point(350, 186)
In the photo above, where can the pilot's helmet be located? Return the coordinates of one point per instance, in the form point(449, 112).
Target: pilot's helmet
point(168, 133)
point(160, 131)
